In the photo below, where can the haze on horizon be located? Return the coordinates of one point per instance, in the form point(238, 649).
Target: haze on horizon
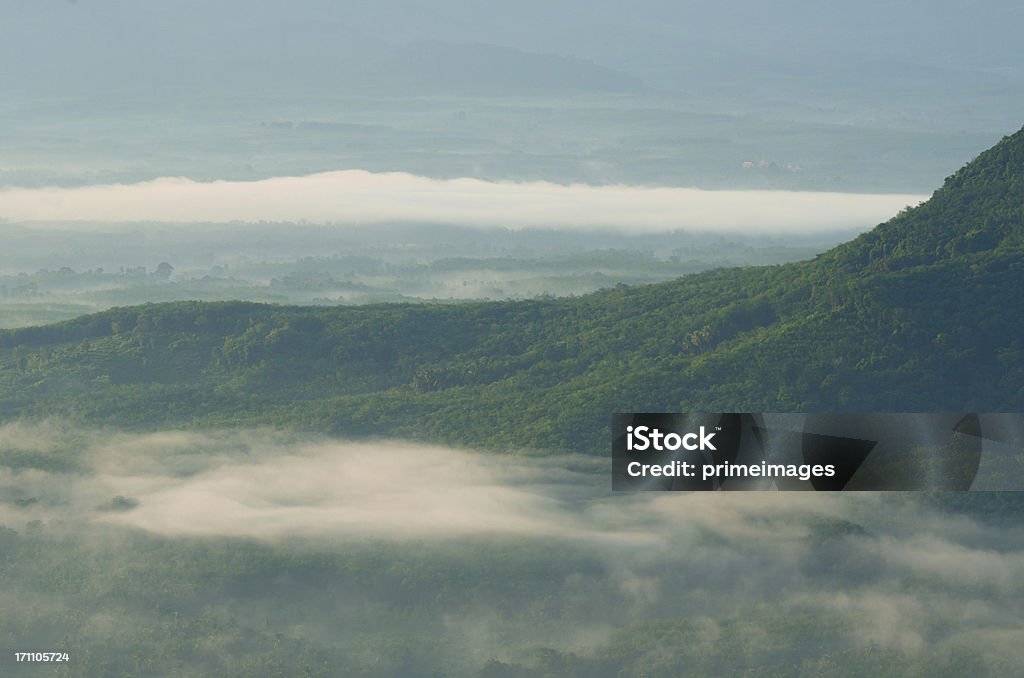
point(806, 97)
point(671, 124)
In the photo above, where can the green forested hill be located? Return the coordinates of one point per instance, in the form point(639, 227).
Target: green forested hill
point(925, 312)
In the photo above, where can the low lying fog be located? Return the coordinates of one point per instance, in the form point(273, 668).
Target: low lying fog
point(267, 485)
point(360, 197)
point(894, 572)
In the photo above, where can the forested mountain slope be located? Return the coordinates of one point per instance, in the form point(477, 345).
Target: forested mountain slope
point(925, 312)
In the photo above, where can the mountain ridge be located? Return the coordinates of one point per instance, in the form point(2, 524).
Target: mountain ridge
point(920, 314)
point(980, 207)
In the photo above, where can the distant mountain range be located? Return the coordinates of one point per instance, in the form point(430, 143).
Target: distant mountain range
point(923, 313)
point(106, 45)
point(431, 67)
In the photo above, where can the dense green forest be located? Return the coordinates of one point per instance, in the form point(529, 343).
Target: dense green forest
point(921, 313)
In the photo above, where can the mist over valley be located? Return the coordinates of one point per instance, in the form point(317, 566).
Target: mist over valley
point(263, 550)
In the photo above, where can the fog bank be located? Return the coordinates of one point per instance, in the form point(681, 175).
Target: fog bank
point(360, 197)
point(237, 541)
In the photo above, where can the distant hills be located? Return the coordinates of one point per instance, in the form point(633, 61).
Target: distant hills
point(441, 67)
point(101, 44)
point(923, 313)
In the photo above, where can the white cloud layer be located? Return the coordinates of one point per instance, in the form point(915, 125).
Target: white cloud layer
point(386, 489)
point(360, 197)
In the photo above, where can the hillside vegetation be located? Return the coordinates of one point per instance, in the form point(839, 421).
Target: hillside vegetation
point(922, 313)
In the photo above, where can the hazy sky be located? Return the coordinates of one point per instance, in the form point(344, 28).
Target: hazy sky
point(867, 96)
point(358, 197)
point(98, 41)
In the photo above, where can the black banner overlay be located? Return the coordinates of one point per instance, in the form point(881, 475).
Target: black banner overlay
point(818, 452)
